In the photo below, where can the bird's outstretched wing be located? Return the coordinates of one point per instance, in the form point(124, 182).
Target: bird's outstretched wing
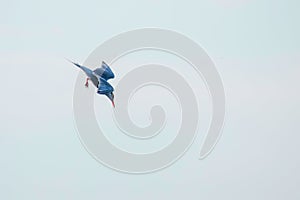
point(104, 72)
point(104, 87)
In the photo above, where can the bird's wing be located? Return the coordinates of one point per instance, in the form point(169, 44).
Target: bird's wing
point(104, 87)
point(104, 71)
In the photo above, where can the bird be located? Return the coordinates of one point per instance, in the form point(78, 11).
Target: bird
point(99, 78)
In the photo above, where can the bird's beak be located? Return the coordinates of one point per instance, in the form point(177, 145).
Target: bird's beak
point(113, 103)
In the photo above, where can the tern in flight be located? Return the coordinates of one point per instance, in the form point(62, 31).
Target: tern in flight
point(99, 78)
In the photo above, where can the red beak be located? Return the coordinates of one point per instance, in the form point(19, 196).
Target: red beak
point(113, 103)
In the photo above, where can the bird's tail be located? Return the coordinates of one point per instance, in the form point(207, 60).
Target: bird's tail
point(86, 70)
point(74, 63)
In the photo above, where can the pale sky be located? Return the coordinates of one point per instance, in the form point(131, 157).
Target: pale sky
point(255, 46)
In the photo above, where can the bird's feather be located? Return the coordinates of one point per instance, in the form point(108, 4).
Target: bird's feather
point(104, 72)
point(104, 87)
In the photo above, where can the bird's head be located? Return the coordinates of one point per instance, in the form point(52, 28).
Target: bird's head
point(111, 96)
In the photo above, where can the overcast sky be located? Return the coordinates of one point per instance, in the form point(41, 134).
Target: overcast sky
point(255, 46)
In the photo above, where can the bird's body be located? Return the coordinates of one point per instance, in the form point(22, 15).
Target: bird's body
point(99, 78)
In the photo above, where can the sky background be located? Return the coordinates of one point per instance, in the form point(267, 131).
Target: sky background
point(255, 46)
